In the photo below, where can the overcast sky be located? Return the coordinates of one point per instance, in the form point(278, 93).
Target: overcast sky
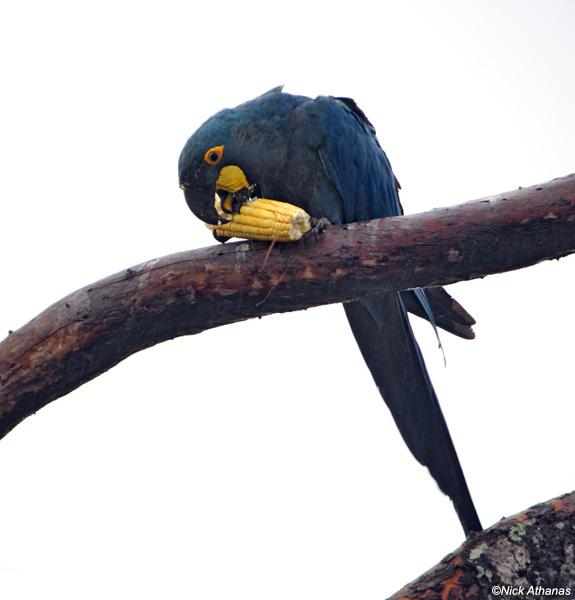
point(161, 479)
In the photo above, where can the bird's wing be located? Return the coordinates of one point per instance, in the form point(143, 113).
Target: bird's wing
point(356, 163)
point(359, 169)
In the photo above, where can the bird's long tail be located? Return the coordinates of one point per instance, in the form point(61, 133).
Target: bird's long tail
point(382, 330)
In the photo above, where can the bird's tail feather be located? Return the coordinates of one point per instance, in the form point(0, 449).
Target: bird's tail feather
point(447, 312)
point(382, 330)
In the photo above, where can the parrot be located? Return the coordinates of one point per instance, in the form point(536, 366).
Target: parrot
point(323, 156)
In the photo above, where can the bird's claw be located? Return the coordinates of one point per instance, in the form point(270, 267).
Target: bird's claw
point(318, 225)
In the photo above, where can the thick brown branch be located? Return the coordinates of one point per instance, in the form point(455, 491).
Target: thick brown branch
point(529, 555)
point(96, 327)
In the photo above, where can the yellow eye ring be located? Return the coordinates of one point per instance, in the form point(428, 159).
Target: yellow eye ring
point(214, 155)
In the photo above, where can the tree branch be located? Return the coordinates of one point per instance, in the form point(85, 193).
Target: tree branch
point(93, 329)
point(527, 555)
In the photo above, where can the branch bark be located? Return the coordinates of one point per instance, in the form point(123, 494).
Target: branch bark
point(96, 327)
point(529, 555)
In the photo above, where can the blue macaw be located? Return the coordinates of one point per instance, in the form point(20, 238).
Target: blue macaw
point(323, 155)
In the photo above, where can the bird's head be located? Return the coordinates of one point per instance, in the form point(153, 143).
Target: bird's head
point(208, 168)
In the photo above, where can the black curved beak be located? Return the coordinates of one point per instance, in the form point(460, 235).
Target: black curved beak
point(200, 201)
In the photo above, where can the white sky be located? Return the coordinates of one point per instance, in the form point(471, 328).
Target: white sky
point(176, 474)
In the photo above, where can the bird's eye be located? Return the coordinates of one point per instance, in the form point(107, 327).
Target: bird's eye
point(214, 155)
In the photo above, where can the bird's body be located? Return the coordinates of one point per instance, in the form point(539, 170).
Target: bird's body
point(323, 155)
point(288, 144)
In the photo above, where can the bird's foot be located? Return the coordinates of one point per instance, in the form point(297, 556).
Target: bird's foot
point(318, 225)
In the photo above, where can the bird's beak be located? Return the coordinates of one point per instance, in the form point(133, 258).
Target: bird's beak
point(208, 202)
point(232, 208)
point(200, 201)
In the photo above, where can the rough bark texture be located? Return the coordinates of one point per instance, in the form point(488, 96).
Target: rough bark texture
point(96, 327)
point(529, 555)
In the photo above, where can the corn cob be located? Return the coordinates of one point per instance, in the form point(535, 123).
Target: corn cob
point(264, 220)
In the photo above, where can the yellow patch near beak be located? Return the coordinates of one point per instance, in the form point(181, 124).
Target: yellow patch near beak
point(231, 179)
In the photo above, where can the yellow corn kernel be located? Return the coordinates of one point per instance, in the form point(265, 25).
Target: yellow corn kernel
point(265, 220)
